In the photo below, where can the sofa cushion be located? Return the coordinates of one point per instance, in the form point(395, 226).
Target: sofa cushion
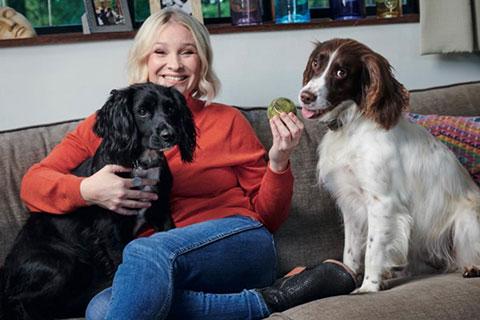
point(460, 134)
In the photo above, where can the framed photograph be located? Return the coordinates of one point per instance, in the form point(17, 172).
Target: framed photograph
point(192, 7)
point(108, 15)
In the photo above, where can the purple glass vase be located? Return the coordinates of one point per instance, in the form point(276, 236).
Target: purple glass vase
point(246, 12)
point(347, 9)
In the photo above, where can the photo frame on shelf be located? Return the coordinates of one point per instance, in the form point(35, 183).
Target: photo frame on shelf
point(193, 7)
point(107, 16)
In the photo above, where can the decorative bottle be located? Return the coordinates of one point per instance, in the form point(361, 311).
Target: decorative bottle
point(389, 8)
point(291, 11)
point(347, 9)
point(246, 12)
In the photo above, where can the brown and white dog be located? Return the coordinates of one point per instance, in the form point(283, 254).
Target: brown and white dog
point(405, 199)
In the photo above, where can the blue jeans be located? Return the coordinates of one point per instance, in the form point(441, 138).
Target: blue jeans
point(203, 271)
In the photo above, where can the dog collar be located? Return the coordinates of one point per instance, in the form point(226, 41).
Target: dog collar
point(334, 125)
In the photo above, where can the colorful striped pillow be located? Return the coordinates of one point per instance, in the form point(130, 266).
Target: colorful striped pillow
point(460, 134)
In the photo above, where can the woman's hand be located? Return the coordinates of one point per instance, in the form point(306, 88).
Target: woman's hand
point(286, 130)
point(106, 189)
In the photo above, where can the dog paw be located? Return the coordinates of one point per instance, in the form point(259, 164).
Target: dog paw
point(367, 288)
point(471, 272)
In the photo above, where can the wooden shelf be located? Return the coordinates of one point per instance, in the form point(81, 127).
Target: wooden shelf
point(63, 38)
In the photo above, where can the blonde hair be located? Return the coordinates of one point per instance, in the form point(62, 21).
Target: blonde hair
point(137, 70)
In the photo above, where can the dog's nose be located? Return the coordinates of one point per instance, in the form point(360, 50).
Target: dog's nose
point(166, 135)
point(307, 97)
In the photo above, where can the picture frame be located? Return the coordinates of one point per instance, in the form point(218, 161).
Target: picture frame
point(192, 7)
point(108, 15)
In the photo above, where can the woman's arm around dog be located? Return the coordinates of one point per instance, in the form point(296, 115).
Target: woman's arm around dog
point(49, 186)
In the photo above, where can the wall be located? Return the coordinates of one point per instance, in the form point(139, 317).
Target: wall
point(41, 84)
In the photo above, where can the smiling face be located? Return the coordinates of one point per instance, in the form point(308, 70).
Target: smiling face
point(174, 59)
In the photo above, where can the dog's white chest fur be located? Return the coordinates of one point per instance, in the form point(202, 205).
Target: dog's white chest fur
point(344, 157)
point(154, 174)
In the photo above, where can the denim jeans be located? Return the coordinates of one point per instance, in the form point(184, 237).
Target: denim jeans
point(203, 271)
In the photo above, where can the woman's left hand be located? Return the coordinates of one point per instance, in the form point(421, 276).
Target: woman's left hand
point(286, 130)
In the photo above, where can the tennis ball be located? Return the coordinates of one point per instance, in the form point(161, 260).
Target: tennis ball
point(280, 105)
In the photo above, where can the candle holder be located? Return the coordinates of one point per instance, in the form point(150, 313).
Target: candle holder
point(389, 8)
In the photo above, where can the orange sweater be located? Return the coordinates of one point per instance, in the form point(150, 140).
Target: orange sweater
point(228, 175)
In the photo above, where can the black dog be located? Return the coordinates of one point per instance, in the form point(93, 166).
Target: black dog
point(59, 262)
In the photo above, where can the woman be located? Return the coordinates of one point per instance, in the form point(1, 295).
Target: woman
point(225, 204)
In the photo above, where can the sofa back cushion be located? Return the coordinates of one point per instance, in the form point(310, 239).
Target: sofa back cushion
point(19, 149)
point(455, 100)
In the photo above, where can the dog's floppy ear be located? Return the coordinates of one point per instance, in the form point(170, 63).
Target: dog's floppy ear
point(383, 97)
point(116, 125)
point(186, 127)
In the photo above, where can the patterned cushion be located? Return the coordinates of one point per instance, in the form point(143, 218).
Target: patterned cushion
point(460, 134)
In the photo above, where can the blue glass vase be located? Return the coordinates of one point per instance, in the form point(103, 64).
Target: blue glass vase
point(291, 11)
point(347, 9)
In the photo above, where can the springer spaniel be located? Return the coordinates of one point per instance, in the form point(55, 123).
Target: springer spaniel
point(59, 262)
point(405, 199)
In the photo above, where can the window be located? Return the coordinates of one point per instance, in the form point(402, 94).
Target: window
point(44, 14)
point(215, 9)
point(57, 16)
point(140, 12)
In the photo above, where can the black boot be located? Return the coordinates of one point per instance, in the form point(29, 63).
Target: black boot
point(330, 278)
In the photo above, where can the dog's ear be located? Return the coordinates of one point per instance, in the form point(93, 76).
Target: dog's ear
point(383, 97)
point(100, 128)
point(116, 125)
point(187, 141)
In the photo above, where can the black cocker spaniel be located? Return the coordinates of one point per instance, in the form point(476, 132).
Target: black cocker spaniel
point(59, 262)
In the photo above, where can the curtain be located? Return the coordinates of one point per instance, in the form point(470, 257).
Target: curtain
point(448, 26)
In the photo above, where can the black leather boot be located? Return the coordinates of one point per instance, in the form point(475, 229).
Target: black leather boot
point(330, 278)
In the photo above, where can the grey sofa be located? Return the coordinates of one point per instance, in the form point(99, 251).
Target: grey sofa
point(313, 231)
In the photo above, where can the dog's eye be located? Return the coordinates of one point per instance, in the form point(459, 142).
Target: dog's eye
point(142, 111)
point(319, 60)
point(341, 73)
